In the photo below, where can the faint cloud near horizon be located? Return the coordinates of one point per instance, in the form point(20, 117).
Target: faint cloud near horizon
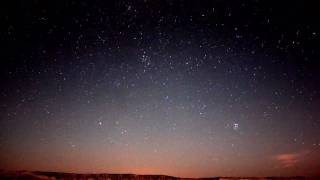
point(290, 159)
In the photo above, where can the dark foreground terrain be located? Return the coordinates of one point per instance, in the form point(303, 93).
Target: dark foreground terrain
point(30, 175)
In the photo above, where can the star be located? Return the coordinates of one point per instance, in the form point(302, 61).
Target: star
point(235, 126)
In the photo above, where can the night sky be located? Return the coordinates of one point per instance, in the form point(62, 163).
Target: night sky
point(182, 88)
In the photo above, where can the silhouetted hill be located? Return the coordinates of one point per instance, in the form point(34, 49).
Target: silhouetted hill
point(39, 175)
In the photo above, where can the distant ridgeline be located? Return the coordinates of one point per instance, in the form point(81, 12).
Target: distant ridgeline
point(30, 175)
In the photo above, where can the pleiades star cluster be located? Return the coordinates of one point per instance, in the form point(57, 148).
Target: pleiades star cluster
point(181, 88)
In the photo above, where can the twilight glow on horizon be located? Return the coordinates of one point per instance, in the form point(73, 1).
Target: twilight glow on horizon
point(180, 88)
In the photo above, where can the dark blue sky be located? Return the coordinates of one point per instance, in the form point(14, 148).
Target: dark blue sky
point(184, 88)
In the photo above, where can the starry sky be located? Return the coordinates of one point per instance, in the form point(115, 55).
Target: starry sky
point(182, 88)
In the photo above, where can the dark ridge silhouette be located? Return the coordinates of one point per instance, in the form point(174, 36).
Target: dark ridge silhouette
point(40, 175)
